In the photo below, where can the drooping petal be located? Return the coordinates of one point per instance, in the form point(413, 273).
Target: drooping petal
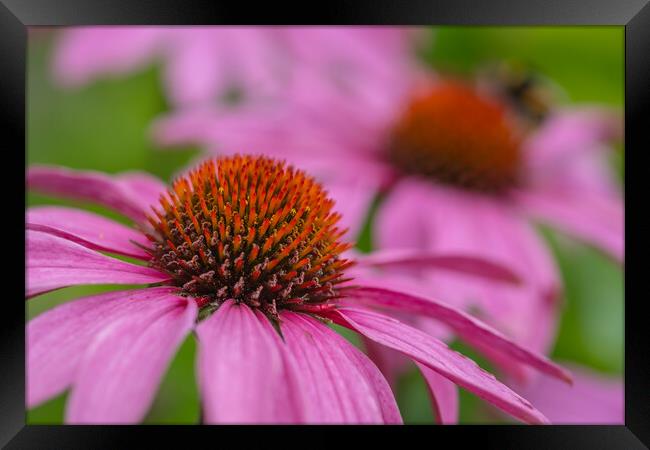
point(123, 363)
point(339, 384)
point(470, 329)
point(88, 229)
point(596, 218)
point(131, 194)
point(417, 259)
point(390, 363)
point(54, 262)
point(593, 399)
point(437, 356)
point(243, 371)
point(444, 395)
point(57, 338)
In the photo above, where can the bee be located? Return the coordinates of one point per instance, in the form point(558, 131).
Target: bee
point(529, 93)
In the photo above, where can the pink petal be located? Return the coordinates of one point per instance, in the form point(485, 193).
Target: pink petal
point(593, 399)
point(196, 70)
point(57, 338)
point(243, 371)
point(87, 52)
point(54, 262)
point(568, 137)
point(131, 194)
point(124, 362)
point(338, 382)
point(390, 363)
point(596, 218)
point(471, 330)
point(414, 259)
point(353, 201)
point(444, 395)
point(88, 229)
point(437, 356)
point(146, 187)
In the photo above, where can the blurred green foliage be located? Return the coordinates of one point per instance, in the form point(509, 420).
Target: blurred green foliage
point(104, 126)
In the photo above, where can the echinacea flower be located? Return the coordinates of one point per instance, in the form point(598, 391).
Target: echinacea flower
point(245, 252)
point(459, 169)
point(203, 64)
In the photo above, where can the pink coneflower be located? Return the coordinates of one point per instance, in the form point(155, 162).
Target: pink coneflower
point(207, 63)
point(461, 170)
point(245, 251)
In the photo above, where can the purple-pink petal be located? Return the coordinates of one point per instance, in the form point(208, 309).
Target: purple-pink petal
point(54, 262)
point(131, 194)
point(596, 218)
point(444, 395)
point(437, 356)
point(123, 363)
point(57, 338)
point(594, 398)
point(243, 370)
point(470, 329)
point(87, 52)
point(91, 230)
point(456, 262)
point(339, 384)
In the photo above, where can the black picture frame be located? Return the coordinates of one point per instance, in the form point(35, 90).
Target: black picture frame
point(17, 15)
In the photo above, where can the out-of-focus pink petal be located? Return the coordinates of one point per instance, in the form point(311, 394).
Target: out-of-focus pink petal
point(415, 259)
point(204, 63)
point(567, 138)
point(243, 371)
point(353, 201)
point(131, 194)
point(437, 356)
point(339, 384)
point(470, 329)
point(87, 52)
point(596, 218)
point(271, 131)
point(593, 399)
point(372, 59)
point(54, 262)
point(444, 395)
point(123, 364)
point(88, 229)
point(388, 361)
point(57, 338)
point(196, 69)
point(147, 187)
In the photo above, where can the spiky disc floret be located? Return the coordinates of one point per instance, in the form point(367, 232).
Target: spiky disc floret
point(456, 135)
point(253, 230)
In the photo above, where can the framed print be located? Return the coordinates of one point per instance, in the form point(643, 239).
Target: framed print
point(412, 216)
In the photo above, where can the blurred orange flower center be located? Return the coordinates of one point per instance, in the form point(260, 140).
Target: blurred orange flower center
point(456, 135)
point(253, 230)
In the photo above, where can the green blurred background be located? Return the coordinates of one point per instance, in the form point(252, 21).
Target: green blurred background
point(104, 126)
